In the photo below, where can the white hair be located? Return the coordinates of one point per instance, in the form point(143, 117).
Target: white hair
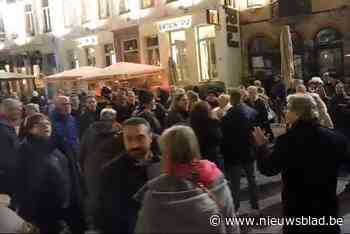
point(305, 105)
point(108, 114)
point(10, 102)
point(32, 107)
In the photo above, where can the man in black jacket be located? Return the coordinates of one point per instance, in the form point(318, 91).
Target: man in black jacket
point(123, 177)
point(89, 117)
point(238, 147)
point(10, 116)
point(308, 156)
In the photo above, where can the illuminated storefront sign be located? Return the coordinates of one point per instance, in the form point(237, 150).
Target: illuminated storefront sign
point(175, 24)
point(87, 41)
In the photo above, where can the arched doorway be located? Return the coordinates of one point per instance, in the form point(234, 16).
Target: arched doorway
point(329, 52)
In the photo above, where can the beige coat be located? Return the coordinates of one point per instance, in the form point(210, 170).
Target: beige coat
point(10, 222)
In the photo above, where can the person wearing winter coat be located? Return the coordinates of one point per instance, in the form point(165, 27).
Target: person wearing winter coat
point(260, 106)
point(340, 110)
point(124, 176)
point(178, 112)
point(238, 147)
point(10, 115)
point(10, 222)
point(65, 132)
point(145, 110)
point(308, 156)
point(48, 191)
point(224, 105)
point(188, 193)
point(99, 146)
point(89, 116)
point(208, 132)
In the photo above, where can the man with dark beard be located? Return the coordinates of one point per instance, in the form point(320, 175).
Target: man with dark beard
point(123, 177)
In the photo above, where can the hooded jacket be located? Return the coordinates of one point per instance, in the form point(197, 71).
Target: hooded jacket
point(185, 207)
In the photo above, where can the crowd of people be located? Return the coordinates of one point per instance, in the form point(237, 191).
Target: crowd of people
point(164, 162)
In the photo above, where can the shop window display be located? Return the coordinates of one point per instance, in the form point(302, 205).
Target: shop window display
point(207, 53)
point(153, 55)
point(178, 53)
point(110, 54)
point(131, 51)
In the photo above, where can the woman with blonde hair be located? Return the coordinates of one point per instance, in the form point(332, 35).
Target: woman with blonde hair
point(188, 194)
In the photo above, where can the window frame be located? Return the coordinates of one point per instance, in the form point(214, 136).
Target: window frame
point(28, 14)
point(47, 26)
point(130, 51)
point(87, 55)
point(146, 7)
point(67, 22)
point(107, 9)
point(207, 39)
point(252, 5)
point(152, 48)
point(85, 17)
point(109, 53)
point(184, 69)
point(126, 6)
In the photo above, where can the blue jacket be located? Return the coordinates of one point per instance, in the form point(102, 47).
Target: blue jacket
point(65, 133)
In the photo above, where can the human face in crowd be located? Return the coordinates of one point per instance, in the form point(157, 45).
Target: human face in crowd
point(252, 93)
point(42, 129)
point(223, 101)
point(183, 103)
point(340, 89)
point(298, 82)
point(137, 140)
point(131, 98)
point(63, 105)
point(75, 102)
point(91, 104)
point(14, 112)
point(211, 97)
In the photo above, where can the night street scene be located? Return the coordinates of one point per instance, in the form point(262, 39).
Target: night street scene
point(175, 116)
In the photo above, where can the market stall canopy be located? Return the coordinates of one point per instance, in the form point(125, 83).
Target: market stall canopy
point(75, 74)
point(124, 70)
point(13, 76)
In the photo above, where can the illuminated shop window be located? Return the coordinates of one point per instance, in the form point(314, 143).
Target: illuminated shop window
point(207, 53)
